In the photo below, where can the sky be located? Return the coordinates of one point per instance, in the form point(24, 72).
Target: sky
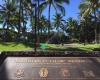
point(71, 10)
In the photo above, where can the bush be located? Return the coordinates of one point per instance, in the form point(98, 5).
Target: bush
point(74, 40)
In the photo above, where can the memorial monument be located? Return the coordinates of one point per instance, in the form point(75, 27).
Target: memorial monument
point(48, 64)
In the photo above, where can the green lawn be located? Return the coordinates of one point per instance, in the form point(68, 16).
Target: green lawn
point(73, 47)
point(12, 46)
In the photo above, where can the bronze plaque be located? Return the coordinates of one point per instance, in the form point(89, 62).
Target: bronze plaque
point(50, 68)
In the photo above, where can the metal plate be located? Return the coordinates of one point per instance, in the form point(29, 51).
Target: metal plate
point(50, 68)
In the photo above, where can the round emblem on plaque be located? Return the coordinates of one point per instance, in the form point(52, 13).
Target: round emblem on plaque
point(43, 72)
point(19, 73)
point(64, 72)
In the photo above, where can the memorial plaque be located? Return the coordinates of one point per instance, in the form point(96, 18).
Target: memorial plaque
point(50, 68)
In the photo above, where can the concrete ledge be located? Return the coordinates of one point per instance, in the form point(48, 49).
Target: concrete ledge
point(48, 54)
point(51, 53)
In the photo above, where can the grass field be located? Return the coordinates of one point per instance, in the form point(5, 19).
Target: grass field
point(12, 46)
point(75, 47)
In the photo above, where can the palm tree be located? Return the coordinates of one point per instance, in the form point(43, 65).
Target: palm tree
point(58, 21)
point(87, 29)
point(59, 24)
point(57, 4)
point(72, 28)
point(90, 7)
point(22, 13)
point(42, 23)
point(6, 12)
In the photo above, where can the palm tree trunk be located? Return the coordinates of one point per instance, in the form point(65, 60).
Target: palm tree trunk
point(41, 31)
point(84, 33)
point(19, 24)
point(38, 27)
point(7, 23)
point(95, 30)
point(24, 26)
point(35, 43)
point(6, 35)
point(49, 20)
point(99, 33)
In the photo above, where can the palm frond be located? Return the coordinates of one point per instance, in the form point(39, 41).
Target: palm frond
point(43, 6)
point(66, 1)
point(61, 8)
point(62, 1)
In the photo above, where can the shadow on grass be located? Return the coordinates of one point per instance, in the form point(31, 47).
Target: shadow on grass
point(5, 43)
point(68, 49)
point(96, 49)
point(31, 45)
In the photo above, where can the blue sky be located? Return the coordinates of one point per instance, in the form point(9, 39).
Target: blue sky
point(71, 9)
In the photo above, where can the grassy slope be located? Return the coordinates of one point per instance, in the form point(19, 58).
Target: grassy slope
point(12, 46)
point(74, 47)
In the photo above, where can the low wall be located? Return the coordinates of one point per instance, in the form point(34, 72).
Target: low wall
point(51, 53)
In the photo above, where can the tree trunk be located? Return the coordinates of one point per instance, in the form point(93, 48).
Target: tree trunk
point(7, 30)
point(19, 24)
point(84, 33)
point(38, 27)
point(24, 26)
point(8, 15)
point(35, 42)
point(49, 21)
point(95, 30)
point(41, 31)
point(99, 33)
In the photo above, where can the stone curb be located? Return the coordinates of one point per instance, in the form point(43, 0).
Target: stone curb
point(51, 53)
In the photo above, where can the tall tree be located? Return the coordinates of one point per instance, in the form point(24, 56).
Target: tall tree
point(43, 24)
point(88, 7)
point(72, 28)
point(58, 21)
point(57, 4)
point(59, 25)
point(6, 12)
